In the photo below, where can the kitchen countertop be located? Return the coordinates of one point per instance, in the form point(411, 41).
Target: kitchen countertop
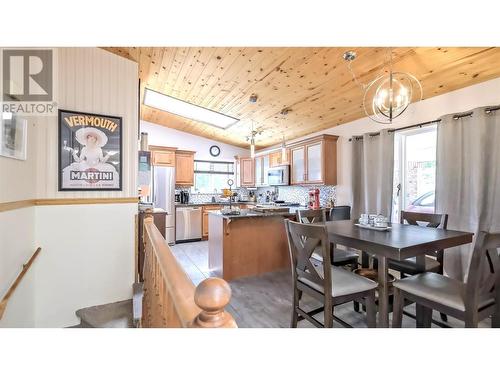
point(250, 213)
point(212, 204)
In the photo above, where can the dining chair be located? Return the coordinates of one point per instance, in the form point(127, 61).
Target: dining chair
point(432, 264)
point(339, 257)
point(324, 282)
point(340, 213)
point(471, 302)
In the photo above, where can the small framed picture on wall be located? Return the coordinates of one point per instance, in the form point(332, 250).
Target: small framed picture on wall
point(13, 136)
point(90, 151)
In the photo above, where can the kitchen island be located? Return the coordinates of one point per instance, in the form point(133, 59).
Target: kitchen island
point(247, 245)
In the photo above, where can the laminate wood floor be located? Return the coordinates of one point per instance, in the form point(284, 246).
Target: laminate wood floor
point(265, 301)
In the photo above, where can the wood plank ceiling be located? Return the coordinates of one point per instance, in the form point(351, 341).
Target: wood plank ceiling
point(314, 83)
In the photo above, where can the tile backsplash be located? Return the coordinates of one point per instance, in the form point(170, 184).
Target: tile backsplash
point(295, 194)
point(202, 198)
point(300, 194)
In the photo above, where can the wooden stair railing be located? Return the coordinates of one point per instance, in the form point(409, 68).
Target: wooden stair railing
point(13, 287)
point(170, 298)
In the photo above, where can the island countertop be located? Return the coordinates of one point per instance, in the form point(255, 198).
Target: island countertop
point(252, 213)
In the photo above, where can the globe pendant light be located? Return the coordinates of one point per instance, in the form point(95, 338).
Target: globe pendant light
point(388, 95)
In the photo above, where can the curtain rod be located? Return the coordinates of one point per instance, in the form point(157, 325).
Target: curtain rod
point(456, 117)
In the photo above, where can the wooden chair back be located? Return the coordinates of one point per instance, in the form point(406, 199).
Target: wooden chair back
point(431, 220)
point(311, 216)
point(303, 240)
point(340, 213)
point(483, 278)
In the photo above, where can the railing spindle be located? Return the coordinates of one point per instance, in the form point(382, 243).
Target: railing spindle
point(170, 298)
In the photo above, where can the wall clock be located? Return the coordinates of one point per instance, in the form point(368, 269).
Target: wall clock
point(214, 151)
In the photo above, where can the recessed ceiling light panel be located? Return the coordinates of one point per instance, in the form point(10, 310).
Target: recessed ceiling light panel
point(191, 111)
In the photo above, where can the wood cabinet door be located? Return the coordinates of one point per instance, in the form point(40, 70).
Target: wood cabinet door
point(247, 172)
point(258, 171)
point(314, 163)
point(184, 169)
point(298, 168)
point(163, 158)
point(274, 159)
point(265, 168)
point(204, 231)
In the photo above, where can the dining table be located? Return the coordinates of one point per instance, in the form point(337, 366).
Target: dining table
point(399, 242)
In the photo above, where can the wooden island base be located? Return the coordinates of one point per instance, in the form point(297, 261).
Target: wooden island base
point(246, 246)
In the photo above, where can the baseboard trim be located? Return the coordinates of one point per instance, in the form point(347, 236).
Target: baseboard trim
point(15, 205)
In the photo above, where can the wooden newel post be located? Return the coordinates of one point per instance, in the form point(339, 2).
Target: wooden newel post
point(211, 296)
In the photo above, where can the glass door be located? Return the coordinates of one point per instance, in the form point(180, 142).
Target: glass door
point(314, 165)
point(298, 165)
point(414, 171)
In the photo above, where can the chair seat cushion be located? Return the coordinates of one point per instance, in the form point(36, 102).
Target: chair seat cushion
point(340, 255)
point(343, 282)
point(439, 289)
point(409, 265)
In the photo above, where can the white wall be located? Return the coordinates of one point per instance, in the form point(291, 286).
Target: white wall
point(483, 94)
point(162, 136)
point(87, 252)
point(88, 259)
point(17, 234)
point(17, 244)
point(96, 81)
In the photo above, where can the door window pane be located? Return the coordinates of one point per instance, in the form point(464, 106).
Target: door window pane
point(414, 171)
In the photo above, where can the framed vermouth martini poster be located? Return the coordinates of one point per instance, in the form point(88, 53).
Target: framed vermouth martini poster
point(90, 151)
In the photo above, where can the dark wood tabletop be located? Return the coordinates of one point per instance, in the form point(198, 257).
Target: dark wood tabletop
point(400, 242)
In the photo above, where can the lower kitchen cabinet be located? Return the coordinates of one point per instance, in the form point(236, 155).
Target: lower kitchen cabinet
point(204, 218)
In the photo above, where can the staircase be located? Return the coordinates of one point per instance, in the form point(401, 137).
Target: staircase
point(122, 314)
point(111, 315)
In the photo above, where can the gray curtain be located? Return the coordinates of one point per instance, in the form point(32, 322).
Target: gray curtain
point(468, 180)
point(372, 174)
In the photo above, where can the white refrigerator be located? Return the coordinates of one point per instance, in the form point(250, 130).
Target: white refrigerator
point(164, 197)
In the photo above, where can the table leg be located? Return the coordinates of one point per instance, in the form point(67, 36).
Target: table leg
point(365, 260)
point(383, 293)
point(419, 309)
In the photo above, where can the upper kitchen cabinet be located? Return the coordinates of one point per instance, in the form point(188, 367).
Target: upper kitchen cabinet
point(163, 156)
point(184, 168)
point(245, 172)
point(314, 161)
point(276, 158)
point(261, 168)
point(298, 165)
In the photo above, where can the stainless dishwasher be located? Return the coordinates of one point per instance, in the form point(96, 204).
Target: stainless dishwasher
point(187, 224)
